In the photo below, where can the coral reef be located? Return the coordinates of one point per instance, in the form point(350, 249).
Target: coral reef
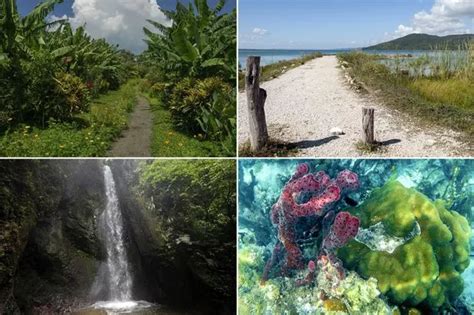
point(332, 290)
point(384, 249)
point(426, 270)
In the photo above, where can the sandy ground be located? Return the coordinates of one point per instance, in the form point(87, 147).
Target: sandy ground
point(305, 103)
point(136, 140)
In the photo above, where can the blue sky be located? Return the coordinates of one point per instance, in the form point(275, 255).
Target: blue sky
point(66, 8)
point(119, 21)
point(326, 24)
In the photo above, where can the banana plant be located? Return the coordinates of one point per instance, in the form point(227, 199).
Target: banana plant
point(199, 43)
point(20, 35)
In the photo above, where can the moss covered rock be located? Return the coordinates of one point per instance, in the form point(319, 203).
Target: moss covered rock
point(426, 270)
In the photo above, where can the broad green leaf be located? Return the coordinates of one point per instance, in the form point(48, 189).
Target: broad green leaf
point(61, 52)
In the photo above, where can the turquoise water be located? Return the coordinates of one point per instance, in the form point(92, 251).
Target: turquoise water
point(270, 56)
point(390, 193)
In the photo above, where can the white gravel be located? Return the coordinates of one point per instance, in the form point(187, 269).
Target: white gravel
point(304, 104)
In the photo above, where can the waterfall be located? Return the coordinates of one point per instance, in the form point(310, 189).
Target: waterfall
point(111, 227)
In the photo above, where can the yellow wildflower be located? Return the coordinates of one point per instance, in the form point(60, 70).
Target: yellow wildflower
point(167, 142)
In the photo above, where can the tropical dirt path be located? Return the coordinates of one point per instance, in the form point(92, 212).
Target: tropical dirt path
point(136, 140)
point(305, 103)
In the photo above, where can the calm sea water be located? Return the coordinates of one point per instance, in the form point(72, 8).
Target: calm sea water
point(270, 56)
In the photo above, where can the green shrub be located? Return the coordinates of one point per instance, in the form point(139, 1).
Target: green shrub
point(49, 93)
point(194, 103)
point(74, 92)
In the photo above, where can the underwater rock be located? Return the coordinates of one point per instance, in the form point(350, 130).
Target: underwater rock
point(358, 296)
point(468, 293)
point(425, 271)
point(377, 238)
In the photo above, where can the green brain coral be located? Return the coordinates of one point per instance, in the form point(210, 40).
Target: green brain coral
point(426, 269)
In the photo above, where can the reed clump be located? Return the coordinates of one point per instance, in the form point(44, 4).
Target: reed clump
point(438, 88)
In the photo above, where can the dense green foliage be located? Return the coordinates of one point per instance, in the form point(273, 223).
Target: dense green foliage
point(424, 42)
point(191, 69)
point(49, 71)
point(196, 198)
point(445, 96)
point(90, 134)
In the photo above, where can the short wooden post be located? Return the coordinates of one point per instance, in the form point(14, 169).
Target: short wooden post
point(368, 125)
point(255, 102)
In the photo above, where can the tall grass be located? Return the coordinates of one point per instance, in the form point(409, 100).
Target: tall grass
point(439, 88)
point(446, 64)
point(450, 79)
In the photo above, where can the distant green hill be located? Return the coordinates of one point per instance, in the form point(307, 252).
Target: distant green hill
point(424, 42)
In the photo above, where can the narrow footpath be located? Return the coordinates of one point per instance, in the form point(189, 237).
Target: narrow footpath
point(136, 140)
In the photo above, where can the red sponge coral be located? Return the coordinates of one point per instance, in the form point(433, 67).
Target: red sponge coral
point(344, 229)
point(322, 192)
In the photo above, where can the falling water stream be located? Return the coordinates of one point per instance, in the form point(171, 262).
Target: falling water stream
point(118, 280)
point(111, 226)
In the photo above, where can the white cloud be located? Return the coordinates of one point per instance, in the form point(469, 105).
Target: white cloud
point(260, 31)
point(118, 21)
point(445, 17)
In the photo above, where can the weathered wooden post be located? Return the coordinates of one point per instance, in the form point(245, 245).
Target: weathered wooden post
point(368, 125)
point(255, 102)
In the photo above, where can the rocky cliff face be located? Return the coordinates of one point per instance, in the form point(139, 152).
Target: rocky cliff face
point(49, 249)
point(171, 267)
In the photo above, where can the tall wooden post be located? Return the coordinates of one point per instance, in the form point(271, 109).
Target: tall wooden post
point(368, 125)
point(255, 102)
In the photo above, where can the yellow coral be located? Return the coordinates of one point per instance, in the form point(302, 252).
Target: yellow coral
point(427, 269)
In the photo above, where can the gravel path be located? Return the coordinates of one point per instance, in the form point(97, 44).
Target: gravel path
point(305, 103)
point(136, 140)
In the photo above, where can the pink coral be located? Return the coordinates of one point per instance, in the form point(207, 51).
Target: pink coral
point(344, 229)
point(323, 192)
